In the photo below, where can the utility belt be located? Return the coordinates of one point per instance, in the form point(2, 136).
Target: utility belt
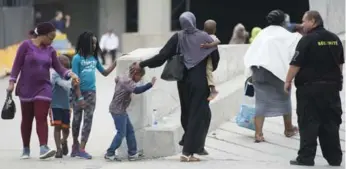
point(320, 82)
point(339, 85)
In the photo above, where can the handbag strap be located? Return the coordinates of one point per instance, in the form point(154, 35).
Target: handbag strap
point(9, 96)
point(177, 51)
point(244, 95)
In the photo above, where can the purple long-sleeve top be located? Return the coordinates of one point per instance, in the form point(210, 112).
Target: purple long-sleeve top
point(34, 63)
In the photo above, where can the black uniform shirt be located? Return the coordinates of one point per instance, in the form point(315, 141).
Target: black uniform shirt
point(318, 54)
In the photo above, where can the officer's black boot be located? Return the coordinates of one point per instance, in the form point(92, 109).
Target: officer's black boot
point(299, 162)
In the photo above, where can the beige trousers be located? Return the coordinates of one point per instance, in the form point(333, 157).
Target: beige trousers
point(210, 77)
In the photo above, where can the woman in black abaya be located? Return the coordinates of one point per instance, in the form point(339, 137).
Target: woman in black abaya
point(193, 89)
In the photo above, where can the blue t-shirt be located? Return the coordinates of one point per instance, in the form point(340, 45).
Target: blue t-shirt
point(61, 92)
point(85, 69)
point(59, 25)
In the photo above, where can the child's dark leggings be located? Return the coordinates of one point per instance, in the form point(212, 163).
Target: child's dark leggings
point(37, 109)
point(86, 114)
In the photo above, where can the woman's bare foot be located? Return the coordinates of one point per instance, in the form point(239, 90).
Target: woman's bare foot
point(259, 138)
point(291, 132)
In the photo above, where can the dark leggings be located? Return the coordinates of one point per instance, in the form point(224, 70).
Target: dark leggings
point(39, 110)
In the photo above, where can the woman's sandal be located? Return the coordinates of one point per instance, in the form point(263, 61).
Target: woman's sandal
point(191, 158)
point(292, 132)
point(259, 138)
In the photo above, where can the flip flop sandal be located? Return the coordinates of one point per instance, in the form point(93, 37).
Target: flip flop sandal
point(292, 132)
point(259, 138)
point(191, 158)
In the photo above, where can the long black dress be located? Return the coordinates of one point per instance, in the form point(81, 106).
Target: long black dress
point(193, 93)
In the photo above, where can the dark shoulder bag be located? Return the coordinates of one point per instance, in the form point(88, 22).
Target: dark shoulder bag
point(174, 68)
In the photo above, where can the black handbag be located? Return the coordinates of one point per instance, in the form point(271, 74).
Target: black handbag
point(249, 89)
point(9, 108)
point(174, 68)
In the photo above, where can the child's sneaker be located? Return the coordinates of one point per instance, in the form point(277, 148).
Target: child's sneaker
point(137, 156)
point(58, 154)
point(84, 154)
point(75, 150)
point(111, 157)
point(64, 148)
point(26, 153)
point(46, 152)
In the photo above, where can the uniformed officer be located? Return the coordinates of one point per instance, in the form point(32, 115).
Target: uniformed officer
point(317, 69)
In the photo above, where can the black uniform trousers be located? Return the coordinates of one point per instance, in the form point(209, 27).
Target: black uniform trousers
point(319, 116)
point(113, 53)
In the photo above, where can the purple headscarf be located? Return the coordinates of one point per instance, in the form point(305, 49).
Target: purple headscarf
point(190, 40)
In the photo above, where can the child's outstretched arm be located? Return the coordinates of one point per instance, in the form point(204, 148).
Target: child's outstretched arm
point(144, 88)
point(106, 72)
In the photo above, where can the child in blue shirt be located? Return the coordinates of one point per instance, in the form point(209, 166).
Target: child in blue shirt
point(84, 65)
point(60, 109)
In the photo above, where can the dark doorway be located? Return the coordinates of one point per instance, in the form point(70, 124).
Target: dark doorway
point(131, 16)
point(46, 12)
point(250, 13)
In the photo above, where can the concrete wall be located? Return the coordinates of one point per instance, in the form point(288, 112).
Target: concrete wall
point(162, 139)
point(333, 13)
point(153, 28)
point(112, 15)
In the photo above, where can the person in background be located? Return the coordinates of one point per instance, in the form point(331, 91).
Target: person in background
point(125, 86)
point(59, 23)
point(60, 109)
point(254, 32)
point(317, 69)
point(210, 28)
point(268, 59)
point(239, 35)
point(109, 44)
point(38, 17)
point(84, 64)
point(33, 60)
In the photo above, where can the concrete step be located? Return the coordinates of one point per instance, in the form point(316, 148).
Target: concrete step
point(167, 133)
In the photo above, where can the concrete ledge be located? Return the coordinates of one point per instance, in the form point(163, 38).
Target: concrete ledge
point(162, 139)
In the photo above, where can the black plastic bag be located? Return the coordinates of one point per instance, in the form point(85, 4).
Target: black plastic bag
point(9, 108)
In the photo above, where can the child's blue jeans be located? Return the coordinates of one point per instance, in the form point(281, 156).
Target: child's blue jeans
point(124, 128)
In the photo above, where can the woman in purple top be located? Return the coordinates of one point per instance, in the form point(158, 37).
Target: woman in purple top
point(33, 61)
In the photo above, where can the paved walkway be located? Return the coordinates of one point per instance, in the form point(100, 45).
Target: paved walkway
point(230, 146)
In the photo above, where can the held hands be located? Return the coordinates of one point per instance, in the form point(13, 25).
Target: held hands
point(153, 81)
point(74, 77)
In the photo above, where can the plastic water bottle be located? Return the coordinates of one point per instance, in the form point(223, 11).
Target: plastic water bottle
point(154, 120)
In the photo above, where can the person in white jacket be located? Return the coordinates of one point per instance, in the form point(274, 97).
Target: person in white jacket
point(268, 60)
point(109, 44)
